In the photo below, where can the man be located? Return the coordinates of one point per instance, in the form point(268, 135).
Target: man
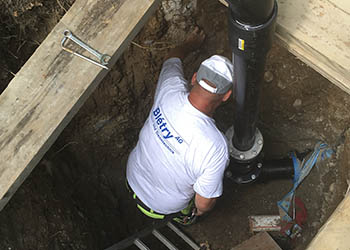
point(180, 153)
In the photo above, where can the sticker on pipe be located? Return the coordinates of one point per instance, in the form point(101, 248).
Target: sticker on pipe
point(240, 44)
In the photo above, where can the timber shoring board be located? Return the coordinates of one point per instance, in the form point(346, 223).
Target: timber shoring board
point(53, 84)
point(318, 33)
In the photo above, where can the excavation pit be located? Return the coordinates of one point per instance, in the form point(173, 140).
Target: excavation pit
point(76, 196)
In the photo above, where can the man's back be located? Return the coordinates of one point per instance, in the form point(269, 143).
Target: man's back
point(180, 150)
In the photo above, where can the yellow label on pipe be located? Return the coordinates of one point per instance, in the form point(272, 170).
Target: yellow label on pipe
point(240, 44)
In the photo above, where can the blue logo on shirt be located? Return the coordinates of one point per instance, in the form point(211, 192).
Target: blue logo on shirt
point(162, 124)
point(162, 131)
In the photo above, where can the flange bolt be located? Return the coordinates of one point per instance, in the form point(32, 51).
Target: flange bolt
point(228, 174)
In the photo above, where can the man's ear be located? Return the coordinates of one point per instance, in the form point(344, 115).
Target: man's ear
point(194, 78)
point(227, 95)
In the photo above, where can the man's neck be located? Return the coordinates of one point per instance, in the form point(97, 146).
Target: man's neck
point(200, 104)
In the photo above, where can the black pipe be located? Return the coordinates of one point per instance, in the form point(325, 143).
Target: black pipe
point(277, 169)
point(260, 171)
point(251, 30)
point(252, 12)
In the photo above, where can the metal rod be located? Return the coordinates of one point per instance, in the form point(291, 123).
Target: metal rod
point(183, 236)
point(75, 39)
point(164, 240)
point(141, 245)
point(143, 233)
point(89, 60)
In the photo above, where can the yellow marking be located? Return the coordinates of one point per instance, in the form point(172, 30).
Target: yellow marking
point(240, 44)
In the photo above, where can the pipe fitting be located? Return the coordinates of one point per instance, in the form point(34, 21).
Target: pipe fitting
point(251, 153)
point(252, 39)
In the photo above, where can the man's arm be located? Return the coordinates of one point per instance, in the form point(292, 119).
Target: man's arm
point(203, 205)
point(174, 68)
point(192, 42)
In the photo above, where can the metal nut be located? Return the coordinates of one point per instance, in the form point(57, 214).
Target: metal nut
point(228, 174)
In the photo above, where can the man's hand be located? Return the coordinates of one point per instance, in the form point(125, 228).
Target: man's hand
point(193, 41)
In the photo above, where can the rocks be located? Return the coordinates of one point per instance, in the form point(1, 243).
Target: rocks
point(179, 15)
point(297, 103)
point(316, 224)
point(268, 76)
point(332, 187)
point(174, 9)
point(281, 85)
point(319, 118)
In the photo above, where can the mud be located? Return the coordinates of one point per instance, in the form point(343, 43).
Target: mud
point(76, 197)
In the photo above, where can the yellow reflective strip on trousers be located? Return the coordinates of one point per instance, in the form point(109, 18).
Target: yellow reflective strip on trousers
point(149, 214)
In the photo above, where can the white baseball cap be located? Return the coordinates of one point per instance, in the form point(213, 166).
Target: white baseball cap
point(218, 70)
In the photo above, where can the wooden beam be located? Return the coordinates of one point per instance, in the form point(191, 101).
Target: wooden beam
point(317, 32)
point(51, 87)
point(334, 234)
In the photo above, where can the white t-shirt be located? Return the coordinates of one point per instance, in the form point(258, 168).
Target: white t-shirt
point(180, 150)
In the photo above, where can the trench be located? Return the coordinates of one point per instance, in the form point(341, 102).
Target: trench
point(76, 196)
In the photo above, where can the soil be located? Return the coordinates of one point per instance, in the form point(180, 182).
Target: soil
point(76, 197)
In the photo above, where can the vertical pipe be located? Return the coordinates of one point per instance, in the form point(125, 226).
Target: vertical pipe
point(249, 75)
point(252, 12)
point(251, 30)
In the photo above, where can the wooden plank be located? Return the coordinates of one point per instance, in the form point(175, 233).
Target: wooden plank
point(334, 234)
point(317, 32)
point(260, 241)
point(51, 87)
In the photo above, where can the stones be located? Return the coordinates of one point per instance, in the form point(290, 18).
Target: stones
point(332, 187)
point(268, 76)
point(176, 8)
point(281, 85)
point(297, 103)
point(316, 224)
point(319, 118)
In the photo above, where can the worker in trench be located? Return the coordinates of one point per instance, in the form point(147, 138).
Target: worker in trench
point(176, 169)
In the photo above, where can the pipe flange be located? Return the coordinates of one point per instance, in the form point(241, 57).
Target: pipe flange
point(244, 178)
point(249, 154)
